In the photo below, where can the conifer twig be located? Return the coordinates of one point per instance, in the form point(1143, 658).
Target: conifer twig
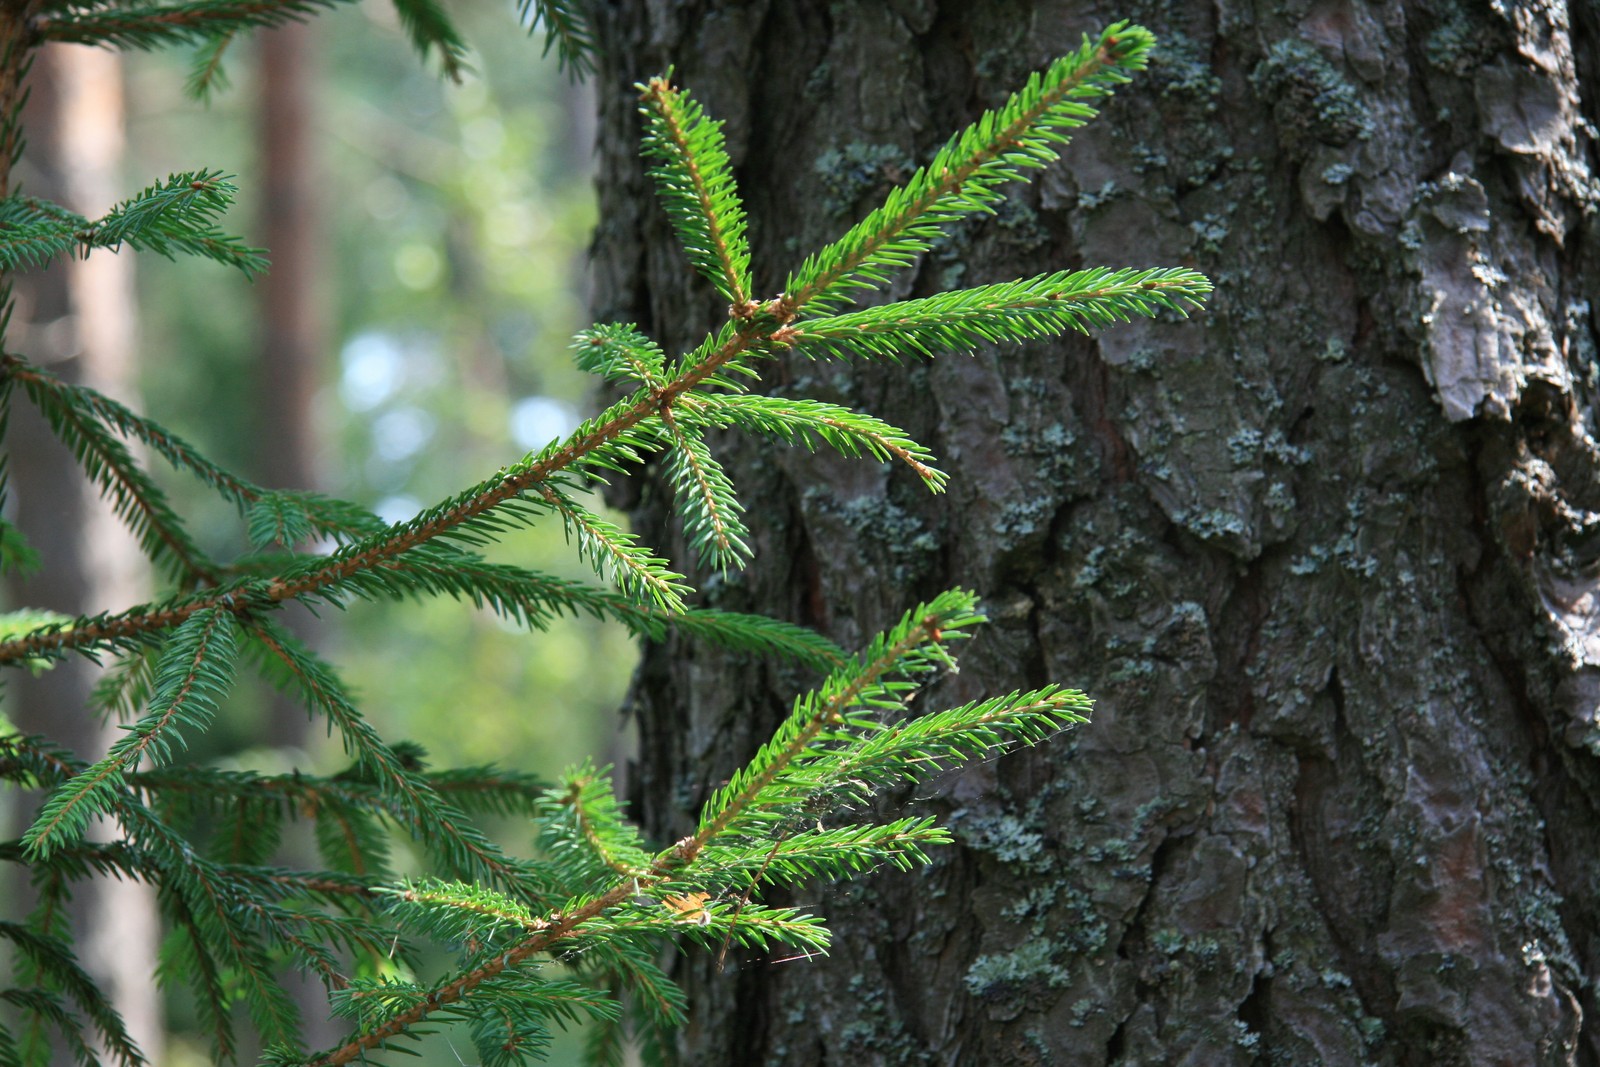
point(695, 180)
point(372, 550)
point(147, 27)
point(963, 176)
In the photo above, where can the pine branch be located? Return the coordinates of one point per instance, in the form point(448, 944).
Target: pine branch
point(53, 960)
point(430, 29)
point(808, 422)
point(207, 75)
point(135, 498)
point(695, 181)
point(566, 30)
point(155, 25)
point(176, 216)
point(195, 668)
point(967, 319)
point(620, 353)
point(965, 174)
point(712, 516)
point(414, 802)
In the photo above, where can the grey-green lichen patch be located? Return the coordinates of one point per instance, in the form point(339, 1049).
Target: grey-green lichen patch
point(848, 174)
point(1089, 199)
point(819, 83)
point(878, 1034)
point(1226, 529)
point(1182, 69)
point(1457, 44)
point(1312, 100)
point(1017, 225)
point(1053, 447)
point(1210, 231)
point(907, 541)
point(1022, 522)
point(1005, 836)
point(1013, 974)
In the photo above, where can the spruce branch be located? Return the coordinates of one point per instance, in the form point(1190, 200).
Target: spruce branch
point(414, 801)
point(122, 690)
point(634, 897)
point(155, 25)
point(431, 30)
point(566, 29)
point(965, 174)
point(172, 217)
point(134, 497)
point(834, 854)
point(807, 423)
point(325, 515)
point(582, 830)
point(712, 515)
point(618, 353)
point(596, 899)
point(476, 513)
point(617, 554)
point(224, 959)
point(207, 74)
point(756, 634)
point(194, 670)
point(695, 181)
point(967, 319)
point(913, 647)
point(51, 958)
point(40, 1006)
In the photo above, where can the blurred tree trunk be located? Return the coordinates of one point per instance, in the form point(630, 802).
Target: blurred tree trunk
point(78, 319)
point(1326, 555)
point(294, 333)
point(293, 346)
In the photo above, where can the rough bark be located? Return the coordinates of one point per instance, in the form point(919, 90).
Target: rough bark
point(1325, 556)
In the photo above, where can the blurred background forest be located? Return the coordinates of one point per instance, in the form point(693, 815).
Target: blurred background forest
point(428, 243)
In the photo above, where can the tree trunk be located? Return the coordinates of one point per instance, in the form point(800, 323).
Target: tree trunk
point(78, 318)
point(1326, 555)
point(293, 342)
